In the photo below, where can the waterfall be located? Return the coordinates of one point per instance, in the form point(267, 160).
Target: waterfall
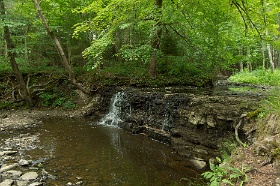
point(166, 122)
point(113, 117)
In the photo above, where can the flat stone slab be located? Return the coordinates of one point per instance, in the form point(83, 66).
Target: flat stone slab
point(8, 167)
point(36, 184)
point(2, 153)
point(29, 176)
point(7, 182)
point(22, 183)
point(14, 174)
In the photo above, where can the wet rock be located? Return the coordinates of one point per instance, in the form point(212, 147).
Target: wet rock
point(29, 176)
point(184, 120)
point(7, 182)
point(48, 175)
point(79, 183)
point(8, 167)
point(13, 174)
point(24, 162)
point(277, 181)
point(22, 183)
point(69, 184)
point(36, 184)
point(199, 164)
point(7, 153)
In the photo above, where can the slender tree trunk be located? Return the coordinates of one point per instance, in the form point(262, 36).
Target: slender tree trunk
point(269, 50)
point(263, 56)
point(23, 87)
point(6, 49)
point(65, 61)
point(272, 67)
point(241, 66)
point(25, 49)
point(249, 64)
point(155, 41)
point(278, 61)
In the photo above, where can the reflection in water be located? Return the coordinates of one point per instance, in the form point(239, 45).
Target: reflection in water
point(106, 156)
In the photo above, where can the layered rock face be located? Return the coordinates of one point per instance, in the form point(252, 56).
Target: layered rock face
point(194, 125)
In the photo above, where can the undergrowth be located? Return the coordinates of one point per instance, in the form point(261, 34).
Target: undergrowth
point(271, 104)
point(264, 77)
point(225, 174)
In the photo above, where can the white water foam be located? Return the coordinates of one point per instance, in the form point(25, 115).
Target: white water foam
point(113, 117)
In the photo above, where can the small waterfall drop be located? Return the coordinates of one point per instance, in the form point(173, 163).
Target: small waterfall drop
point(166, 122)
point(113, 117)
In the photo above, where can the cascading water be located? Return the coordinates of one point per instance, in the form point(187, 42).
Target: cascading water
point(113, 117)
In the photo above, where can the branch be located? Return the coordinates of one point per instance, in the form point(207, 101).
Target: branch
point(237, 127)
point(180, 35)
point(27, 84)
point(236, 4)
point(243, 9)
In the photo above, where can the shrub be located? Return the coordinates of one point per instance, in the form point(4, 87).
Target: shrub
point(264, 77)
point(223, 173)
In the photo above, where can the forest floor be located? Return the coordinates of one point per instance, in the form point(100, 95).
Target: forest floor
point(261, 158)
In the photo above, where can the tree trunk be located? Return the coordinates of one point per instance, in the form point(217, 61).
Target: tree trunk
point(249, 64)
point(241, 67)
point(60, 50)
point(25, 49)
point(5, 49)
point(272, 67)
point(155, 41)
point(10, 47)
point(263, 56)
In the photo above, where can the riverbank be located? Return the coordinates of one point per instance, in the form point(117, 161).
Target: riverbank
point(16, 119)
point(262, 156)
point(15, 167)
point(262, 169)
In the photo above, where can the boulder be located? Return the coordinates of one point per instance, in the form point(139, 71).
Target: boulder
point(8, 167)
point(24, 162)
point(13, 174)
point(29, 176)
point(7, 182)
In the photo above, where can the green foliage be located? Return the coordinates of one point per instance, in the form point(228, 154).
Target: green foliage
point(6, 104)
point(5, 65)
point(226, 174)
point(135, 74)
point(271, 104)
point(139, 54)
point(198, 38)
point(264, 77)
point(56, 100)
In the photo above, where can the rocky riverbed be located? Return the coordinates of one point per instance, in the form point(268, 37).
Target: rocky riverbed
point(17, 168)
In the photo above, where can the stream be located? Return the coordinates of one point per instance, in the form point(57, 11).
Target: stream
point(82, 151)
point(71, 151)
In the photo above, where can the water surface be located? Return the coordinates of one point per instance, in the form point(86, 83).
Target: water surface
point(101, 155)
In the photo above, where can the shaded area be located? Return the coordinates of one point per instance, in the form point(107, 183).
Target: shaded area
point(107, 156)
